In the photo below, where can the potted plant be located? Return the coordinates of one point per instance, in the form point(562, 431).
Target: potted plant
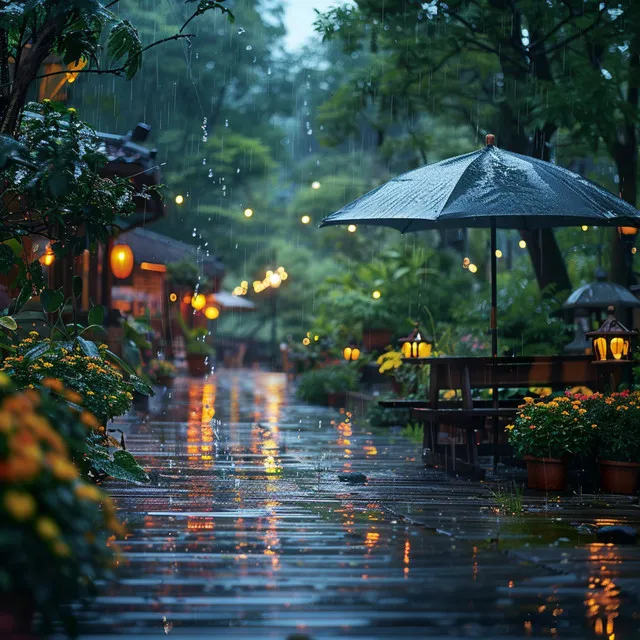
point(199, 354)
point(545, 434)
point(328, 385)
point(617, 417)
point(162, 372)
point(56, 526)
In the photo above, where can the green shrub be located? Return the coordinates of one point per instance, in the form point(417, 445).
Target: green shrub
point(315, 385)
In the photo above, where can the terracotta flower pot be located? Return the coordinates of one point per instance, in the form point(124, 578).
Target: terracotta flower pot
point(619, 477)
point(546, 474)
point(198, 364)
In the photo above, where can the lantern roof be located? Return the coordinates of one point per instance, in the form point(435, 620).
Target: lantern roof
point(612, 325)
point(417, 335)
point(600, 294)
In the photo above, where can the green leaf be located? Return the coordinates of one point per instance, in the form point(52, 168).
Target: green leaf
point(122, 466)
point(8, 323)
point(25, 294)
point(140, 386)
point(37, 275)
point(7, 258)
point(114, 359)
point(96, 314)
point(124, 41)
point(36, 352)
point(51, 300)
point(89, 348)
point(76, 286)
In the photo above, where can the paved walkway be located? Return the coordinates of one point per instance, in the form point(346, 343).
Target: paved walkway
point(246, 532)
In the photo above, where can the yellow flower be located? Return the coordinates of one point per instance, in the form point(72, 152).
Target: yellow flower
point(510, 427)
point(35, 334)
point(63, 469)
point(71, 110)
point(20, 505)
point(594, 426)
point(47, 528)
point(528, 400)
point(88, 492)
point(449, 394)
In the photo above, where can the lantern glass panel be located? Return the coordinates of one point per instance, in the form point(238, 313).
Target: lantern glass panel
point(406, 349)
point(347, 353)
point(424, 350)
point(600, 348)
point(617, 347)
point(355, 353)
point(625, 350)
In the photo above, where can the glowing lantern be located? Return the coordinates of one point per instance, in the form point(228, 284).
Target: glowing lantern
point(199, 301)
point(627, 231)
point(351, 353)
point(212, 312)
point(173, 297)
point(48, 257)
point(612, 341)
point(121, 260)
point(415, 345)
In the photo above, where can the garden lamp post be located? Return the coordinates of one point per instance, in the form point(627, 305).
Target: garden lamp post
point(612, 341)
point(415, 345)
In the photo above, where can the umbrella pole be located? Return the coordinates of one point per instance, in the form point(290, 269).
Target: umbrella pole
point(494, 339)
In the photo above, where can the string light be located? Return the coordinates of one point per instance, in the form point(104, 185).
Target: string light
point(305, 219)
point(376, 295)
point(473, 268)
point(315, 185)
point(498, 253)
point(179, 199)
point(248, 213)
point(352, 228)
point(522, 244)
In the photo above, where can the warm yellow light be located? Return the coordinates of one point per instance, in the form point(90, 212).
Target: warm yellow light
point(121, 260)
point(627, 231)
point(306, 342)
point(316, 338)
point(376, 295)
point(179, 199)
point(406, 349)
point(634, 250)
point(173, 297)
point(522, 244)
point(315, 184)
point(352, 228)
point(465, 263)
point(473, 268)
point(73, 69)
point(498, 253)
point(351, 354)
point(585, 227)
point(211, 313)
point(186, 299)
point(199, 301)
point(153, 266)
point(617, 347)
point(248, 213)
point(275, 280)
point(600, 348)
point(424, 349)
point(305, 219)
point(48, 257)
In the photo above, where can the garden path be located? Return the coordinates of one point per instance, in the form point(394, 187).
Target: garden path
point(246, 532)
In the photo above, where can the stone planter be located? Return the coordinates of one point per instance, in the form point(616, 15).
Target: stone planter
point(619, 477)
point(546, 474)
point(198, 364)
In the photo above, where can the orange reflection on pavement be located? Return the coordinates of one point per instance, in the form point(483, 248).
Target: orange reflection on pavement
point(603, 595)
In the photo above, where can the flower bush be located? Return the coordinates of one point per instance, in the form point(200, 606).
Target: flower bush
point(106, 391)
point(56, 526)
point(617, 417)
point(552, 429)
point(316, 385)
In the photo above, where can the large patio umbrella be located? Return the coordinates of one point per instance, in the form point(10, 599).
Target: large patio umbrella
point(488, 188)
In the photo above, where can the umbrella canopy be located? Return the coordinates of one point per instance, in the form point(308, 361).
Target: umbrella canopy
point(485, 187)
point(600, 294)
point(488, 188)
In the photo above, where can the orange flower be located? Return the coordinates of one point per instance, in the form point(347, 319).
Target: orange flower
point(54, 384)
point(88, 492)
point(89, 420)
point(63, 469)
point(73, 396)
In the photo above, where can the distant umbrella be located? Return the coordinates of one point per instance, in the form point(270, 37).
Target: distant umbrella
point(488, 188)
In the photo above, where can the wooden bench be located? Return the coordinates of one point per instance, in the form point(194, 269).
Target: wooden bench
point(467, 376)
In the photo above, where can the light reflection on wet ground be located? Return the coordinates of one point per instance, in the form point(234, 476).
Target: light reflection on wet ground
point(246, 532)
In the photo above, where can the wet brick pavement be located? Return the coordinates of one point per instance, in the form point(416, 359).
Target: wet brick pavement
point(246, 532)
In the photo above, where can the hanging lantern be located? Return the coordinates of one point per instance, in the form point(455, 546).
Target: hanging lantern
point(212, 312)
point(199, 301)
point(415, 345)
point(351, 353)
point(612, 341)
point(121, 260)
point(627, 231)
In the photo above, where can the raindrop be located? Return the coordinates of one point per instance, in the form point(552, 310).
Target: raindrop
point(249, 47)
point(241, 31)
point(211, 173)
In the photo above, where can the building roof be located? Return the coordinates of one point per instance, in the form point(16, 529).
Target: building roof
point(149, 246)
